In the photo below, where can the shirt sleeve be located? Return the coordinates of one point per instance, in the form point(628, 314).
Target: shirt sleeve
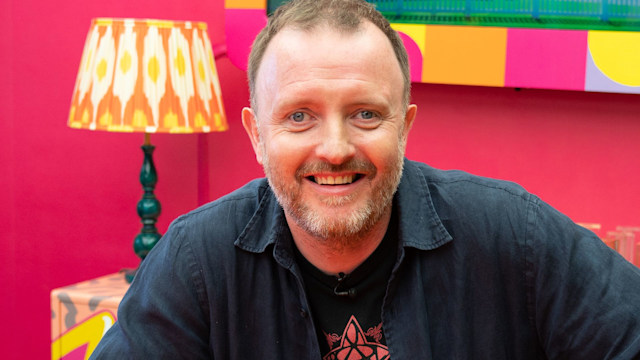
point(584, 298)
point(162, 316)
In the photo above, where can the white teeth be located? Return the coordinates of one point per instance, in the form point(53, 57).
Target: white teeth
point(338, 180)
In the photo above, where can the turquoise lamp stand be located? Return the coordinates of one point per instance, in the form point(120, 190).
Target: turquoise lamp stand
point(148, 208)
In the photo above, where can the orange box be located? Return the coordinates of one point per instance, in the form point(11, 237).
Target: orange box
point(82, 313)
point(464, 55)
point(245, 4)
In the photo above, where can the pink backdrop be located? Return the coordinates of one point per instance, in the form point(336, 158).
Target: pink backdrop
point(68, 197)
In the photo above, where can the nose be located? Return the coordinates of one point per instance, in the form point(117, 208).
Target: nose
point(336, 143)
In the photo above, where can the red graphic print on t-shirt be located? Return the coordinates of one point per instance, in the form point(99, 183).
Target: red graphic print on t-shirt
point(354, 344)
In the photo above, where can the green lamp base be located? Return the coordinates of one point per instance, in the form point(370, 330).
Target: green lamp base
point(148, 209)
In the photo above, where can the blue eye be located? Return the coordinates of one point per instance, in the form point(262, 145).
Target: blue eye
point(367, 119)
point(367, 114)
point(297, 116)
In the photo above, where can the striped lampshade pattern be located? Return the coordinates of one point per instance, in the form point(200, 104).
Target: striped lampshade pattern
point(151, 76)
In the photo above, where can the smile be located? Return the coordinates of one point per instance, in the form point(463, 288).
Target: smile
point(335, 180)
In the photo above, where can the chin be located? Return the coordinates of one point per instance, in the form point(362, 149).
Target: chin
point(334, 223)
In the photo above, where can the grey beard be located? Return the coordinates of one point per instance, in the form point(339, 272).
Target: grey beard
point(342, 231)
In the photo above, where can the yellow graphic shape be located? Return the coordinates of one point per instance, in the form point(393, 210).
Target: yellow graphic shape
point(87, 64)
point(180, 63)
point(104, 22)
point(101, 69)
point(201, 72)
point(87, 332)
point(199, 120)
point(617, 55)
point(170, 120)
point(245, 4)
point(162, 24)
point(415, 31)
point(464, 55)
point(217, 121)
point(153, 68)
point(125, 62)
point(120, 128)
point(72, 115)
point(139, 119)
point(106, 119)
point(85, 117)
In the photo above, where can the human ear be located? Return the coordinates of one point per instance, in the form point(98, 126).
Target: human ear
point(250, 123)
point(409, 116)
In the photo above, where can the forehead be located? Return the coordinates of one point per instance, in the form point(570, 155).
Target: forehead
point(297, 56)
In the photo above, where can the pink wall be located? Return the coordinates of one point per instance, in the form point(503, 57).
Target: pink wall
point(68, 196)
point(577, 150)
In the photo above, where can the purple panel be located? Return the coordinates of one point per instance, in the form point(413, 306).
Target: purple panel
point(597, 81)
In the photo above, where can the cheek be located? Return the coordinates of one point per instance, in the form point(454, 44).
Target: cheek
point(383, 151)
point(284, 154)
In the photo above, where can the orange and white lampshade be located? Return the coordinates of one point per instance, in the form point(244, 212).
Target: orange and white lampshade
point(151, 76)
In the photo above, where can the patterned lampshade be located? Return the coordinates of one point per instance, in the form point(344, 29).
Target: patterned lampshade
point(151, 76)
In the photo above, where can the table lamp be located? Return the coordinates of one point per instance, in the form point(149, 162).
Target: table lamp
point(148, 76)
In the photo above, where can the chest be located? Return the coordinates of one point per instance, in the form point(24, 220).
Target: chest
point(431, 308)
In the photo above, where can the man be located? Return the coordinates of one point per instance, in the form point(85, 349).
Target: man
point(348, 251)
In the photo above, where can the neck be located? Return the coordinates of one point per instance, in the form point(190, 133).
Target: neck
point(334, 256)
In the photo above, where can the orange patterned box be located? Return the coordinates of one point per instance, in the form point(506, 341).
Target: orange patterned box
point(82, 313)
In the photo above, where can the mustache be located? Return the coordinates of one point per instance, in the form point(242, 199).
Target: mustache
point(353, 165)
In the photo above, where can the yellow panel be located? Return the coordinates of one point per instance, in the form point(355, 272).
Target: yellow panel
point(245, 4)
point(465, 55)
point(617, 55)
point(416, 32)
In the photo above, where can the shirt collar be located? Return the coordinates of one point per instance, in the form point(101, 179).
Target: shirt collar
point(419, 224)
point(266, 224)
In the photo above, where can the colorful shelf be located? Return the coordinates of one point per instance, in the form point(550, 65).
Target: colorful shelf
point(519, 57)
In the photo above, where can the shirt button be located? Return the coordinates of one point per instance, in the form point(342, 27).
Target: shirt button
point(304, 313)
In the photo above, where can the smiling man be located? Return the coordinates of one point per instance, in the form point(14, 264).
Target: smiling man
point(329, 125)
point(349, 251)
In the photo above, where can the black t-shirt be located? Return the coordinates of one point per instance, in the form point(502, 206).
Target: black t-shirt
point(347, 309)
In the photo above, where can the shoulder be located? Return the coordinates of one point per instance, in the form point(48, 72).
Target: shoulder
point(228, 213)
point(456, 187)
point(213, 227)
point(454, 204)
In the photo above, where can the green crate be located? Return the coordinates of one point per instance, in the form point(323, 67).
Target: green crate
point(558, 14)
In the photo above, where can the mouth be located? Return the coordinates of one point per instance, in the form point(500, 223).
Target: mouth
point(335, 180)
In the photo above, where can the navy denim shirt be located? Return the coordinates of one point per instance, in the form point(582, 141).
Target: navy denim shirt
point(484, 270)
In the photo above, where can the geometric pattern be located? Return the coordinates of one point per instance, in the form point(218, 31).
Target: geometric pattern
point(613, 62)
point(147, 76)
point(582, 60)
point(82, 313)
point(354, 345)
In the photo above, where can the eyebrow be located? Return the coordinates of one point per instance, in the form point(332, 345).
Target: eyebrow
point(305, 97)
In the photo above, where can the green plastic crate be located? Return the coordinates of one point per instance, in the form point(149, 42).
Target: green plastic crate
point(560, 14)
